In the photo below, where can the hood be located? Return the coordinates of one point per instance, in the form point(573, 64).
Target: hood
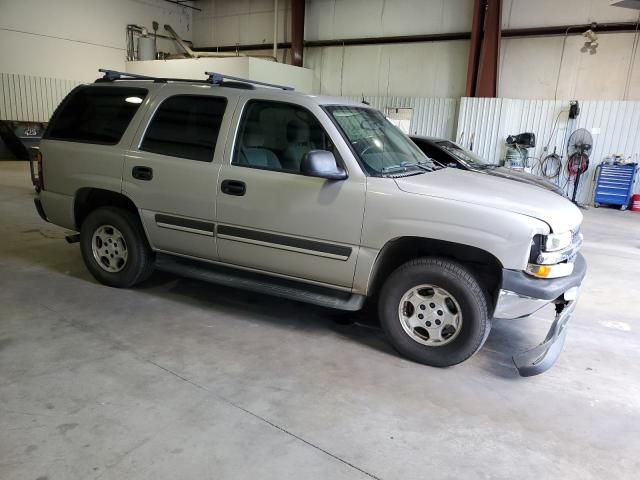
point(495, 192)
point(524, 177)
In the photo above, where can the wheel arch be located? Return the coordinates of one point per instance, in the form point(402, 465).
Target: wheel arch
point(485, 266)
point(89, 199)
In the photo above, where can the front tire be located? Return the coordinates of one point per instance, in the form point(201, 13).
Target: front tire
point(434, 312)
point(114, 247)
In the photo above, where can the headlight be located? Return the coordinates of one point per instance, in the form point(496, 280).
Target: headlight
point(552, 255)
point(557, 241)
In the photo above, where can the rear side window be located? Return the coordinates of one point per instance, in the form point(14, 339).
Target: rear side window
point(96, 114)
point(186, 126)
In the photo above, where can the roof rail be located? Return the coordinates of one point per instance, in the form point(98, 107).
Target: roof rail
point(113, 75)
point(219, 78)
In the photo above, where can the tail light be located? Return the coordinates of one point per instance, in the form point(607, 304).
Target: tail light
point(35, 164)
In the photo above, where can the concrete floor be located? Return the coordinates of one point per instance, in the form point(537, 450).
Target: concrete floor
point(181, 379)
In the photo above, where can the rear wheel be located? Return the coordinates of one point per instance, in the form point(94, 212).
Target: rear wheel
point(434, 311)
point(114, 247)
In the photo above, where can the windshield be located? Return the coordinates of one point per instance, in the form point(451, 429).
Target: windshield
point(380, 146)
point(466, 157)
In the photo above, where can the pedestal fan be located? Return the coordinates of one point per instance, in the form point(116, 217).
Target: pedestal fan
point(579, 147)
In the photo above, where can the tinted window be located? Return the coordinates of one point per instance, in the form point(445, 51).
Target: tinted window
point(466, 157)
point(277, 136)
point(186, 126)
point(431, 151)
point(96, 114)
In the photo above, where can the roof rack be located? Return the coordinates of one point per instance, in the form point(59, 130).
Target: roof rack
point(113, 75)
point(219, 78)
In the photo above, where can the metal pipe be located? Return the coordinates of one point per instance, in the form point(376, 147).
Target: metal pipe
point(179, 40)
point(560, 30)
point(183, 4)
point(190, 53)
point(138, 28)
point(275, 28)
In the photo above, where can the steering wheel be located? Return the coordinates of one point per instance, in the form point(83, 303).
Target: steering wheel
point(369, 146)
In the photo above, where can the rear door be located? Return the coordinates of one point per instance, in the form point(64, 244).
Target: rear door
point(171, 169)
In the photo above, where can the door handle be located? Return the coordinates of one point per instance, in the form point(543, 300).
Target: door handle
point(142, 173)
point(233, 187)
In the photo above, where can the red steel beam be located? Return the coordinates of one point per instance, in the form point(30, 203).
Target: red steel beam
point(297, 31)
point(487, 81)
point(484, 50)
point(474, 47)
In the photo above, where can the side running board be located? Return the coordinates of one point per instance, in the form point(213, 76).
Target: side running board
point(322, 296)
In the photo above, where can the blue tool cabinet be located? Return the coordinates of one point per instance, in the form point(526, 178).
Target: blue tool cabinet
point(614, 184)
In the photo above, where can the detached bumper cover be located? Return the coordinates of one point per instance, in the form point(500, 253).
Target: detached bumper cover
point(541, 358)
point(521, 295)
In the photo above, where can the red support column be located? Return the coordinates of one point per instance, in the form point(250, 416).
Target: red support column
point(484, 51)
point(474, 47)
point(297, 31)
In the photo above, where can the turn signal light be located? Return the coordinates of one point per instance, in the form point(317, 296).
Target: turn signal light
point(550, 271)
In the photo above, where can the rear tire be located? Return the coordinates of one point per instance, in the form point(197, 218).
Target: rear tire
point(451, 305)
point(115, 248)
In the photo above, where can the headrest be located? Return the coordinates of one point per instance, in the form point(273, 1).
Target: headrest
point(253, 138)
point(298, 131)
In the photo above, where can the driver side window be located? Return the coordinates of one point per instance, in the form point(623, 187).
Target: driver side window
point(277, 136)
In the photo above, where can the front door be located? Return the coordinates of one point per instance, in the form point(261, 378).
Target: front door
point(170, 173)
point(272, 218)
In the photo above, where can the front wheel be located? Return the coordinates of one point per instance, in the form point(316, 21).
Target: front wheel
point(434, 312)
point(114, 247)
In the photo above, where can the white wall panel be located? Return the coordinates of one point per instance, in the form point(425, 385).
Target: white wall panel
point(436, 69)
point(531, 68)
point(329, 19)
point(541, 13)
point(431, 116)
point(31, 99)
point(73, 38)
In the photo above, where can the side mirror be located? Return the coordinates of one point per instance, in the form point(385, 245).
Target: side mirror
point(322, 164)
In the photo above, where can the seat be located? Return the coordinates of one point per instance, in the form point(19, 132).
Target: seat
point(252, 152)
point(300, 143)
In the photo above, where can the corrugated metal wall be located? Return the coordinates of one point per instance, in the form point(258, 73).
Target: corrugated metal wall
point(29, 98)
point(484, 124)
point(431, 116)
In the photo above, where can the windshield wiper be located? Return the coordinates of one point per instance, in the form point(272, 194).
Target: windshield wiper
point(426, 166)
point(404, 166)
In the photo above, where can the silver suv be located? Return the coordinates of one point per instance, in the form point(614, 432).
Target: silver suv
point(306, 197)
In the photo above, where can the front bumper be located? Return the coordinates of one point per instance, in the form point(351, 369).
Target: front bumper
point(522, 295)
